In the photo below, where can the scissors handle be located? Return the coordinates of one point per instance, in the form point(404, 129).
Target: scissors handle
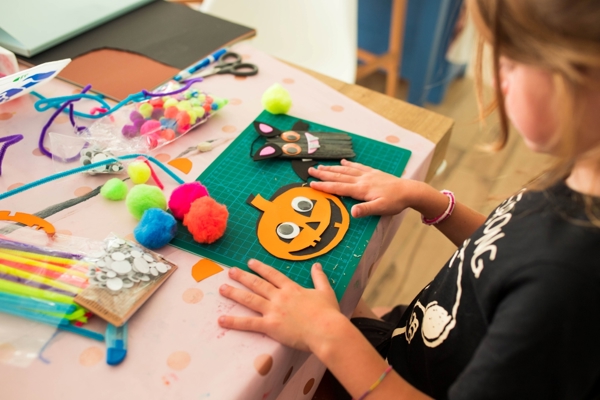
point(242, 69)
point(228, 59)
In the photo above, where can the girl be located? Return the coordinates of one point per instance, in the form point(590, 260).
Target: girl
point(514, 312)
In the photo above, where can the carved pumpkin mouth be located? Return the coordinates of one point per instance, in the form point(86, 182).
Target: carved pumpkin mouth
point(328, 235)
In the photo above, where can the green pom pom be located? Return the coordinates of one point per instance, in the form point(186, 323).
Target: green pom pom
point(277, 99)
point(143, 197)
point(114, 189)
point(139, 172)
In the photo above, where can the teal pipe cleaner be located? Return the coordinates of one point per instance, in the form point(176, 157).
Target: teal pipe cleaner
point(84, 168)
point(45, 103)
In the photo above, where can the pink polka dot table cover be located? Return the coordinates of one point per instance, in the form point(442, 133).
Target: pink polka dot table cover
point(176, 350)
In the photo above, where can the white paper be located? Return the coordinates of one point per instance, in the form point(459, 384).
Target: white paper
point(23, 82)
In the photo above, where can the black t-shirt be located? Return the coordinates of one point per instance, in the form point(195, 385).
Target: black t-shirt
point(515, 313)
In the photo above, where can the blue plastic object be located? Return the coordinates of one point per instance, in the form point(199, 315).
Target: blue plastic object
point(116, 344)
point(428, 30)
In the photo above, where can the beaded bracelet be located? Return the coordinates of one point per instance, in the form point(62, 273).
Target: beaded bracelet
point(377, 382)
point(445, 214)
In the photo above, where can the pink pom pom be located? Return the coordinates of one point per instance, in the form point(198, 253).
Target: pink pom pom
point(182, 197)
point(149, 127)
point(206, 220)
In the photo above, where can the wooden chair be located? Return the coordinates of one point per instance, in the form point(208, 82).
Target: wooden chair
point(389, 61)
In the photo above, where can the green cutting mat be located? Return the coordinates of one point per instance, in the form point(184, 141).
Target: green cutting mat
point(233, 176)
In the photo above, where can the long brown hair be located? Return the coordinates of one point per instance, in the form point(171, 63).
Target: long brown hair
point(562, 36)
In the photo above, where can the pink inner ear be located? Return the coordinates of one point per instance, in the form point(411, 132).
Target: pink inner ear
point(267, 151)
point(265, 128)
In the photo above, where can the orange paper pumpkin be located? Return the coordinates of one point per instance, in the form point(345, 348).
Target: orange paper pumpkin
point(299, 223)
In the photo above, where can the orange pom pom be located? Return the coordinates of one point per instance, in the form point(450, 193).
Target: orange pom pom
point(206, 220)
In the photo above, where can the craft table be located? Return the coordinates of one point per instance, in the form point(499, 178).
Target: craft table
point(176, 349)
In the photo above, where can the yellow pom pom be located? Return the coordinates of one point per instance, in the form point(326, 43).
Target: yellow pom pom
point(139, 172)
point(146, 110)
point(277, 99)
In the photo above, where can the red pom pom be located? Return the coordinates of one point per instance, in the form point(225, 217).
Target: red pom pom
point(206, 220)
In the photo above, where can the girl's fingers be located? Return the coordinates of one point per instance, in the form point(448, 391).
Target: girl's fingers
point(334, 174)
point(356, 165)
point(245, 298)
point(342, 169)
point(253, 324)
point(374, 207)
point(319, 278)
point(270, 274)
point(252, 282)
point(340, 189)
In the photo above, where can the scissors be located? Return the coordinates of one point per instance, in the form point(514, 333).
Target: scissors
point(230, 63)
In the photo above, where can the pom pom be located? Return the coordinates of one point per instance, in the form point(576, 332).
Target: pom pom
point(138, 123)
point(157, 113)
point(152, 141)
point(139, 172)
point(129, 131)
point(171, 112)
point(167, 134)
point(156, 228)
point(170, 102)
point(183, 118)
point(184, 105)
point(134, 116)
point(156, 102)
point(143, 197)
point(206, 220)
point(221, 102)
point(277, 100)
point(149, 127)
point(114, 189)
point(168, 123)
point(199, 112)
point(182, 197)
point(145, 109)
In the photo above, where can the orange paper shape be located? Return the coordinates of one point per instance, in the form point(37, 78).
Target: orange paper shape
point(300, 223)
point(29, 220)
point(204, 269)
point(182, 164)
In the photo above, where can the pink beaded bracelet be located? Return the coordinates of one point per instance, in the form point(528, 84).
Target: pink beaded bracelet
point(445, 214)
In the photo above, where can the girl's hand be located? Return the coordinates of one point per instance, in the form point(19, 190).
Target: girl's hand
point(297, 317)
point(384, 194)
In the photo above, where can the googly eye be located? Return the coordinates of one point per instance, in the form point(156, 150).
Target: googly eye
point(290, 136)
point(288, 230)
point(291, 149)
point(302, 204)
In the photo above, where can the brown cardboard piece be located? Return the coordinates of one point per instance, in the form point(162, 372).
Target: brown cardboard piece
point(117, 73)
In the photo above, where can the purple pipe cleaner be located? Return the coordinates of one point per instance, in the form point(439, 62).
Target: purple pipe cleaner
point(8, 141)
point(51, 120)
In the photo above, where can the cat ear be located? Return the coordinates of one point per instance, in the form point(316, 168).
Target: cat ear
point(269, 150)
point(300, 126)
point(266, 130)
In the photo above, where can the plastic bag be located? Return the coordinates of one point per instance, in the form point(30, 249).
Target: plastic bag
point(61, 281)
point(141, 127)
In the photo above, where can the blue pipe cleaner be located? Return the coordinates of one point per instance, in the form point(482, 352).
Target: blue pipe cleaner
point(84, 168)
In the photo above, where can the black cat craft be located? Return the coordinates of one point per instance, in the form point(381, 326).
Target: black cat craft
point(302, 146)
point(299, 143)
